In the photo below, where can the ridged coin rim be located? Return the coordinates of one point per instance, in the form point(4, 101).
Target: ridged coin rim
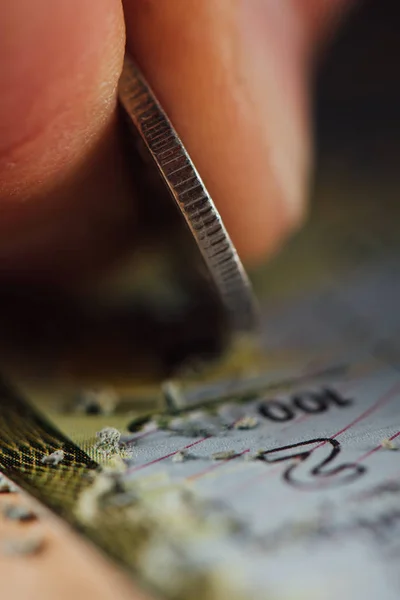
point(190, 194)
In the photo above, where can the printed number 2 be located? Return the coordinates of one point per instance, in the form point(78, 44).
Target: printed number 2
point(309, 462)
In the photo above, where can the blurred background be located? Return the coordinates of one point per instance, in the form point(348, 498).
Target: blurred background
point(356, 187)
point(358, 93)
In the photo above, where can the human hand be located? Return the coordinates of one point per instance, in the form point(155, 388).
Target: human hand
point(232, 75)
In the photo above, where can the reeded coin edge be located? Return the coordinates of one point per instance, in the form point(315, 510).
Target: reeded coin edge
point(190, 195)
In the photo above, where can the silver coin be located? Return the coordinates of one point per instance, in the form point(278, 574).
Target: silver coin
point(190, 195)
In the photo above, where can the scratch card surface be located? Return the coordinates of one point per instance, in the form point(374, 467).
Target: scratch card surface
point(278, 478)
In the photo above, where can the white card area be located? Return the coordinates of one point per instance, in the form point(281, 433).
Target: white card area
point(319, 509)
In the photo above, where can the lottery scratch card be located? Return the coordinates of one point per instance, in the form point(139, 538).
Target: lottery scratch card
point(275, 474)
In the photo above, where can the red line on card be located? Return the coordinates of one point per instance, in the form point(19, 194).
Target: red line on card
point(305, 417)
point(156, 460)
point(367, 454)
point(378, 404)
point(213, 467)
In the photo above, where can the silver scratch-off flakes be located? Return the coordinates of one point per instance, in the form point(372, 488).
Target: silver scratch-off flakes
point(224, 455)
point(257, 455)
point(54, 458)
point(14, 512)
point(246, 423)
point(189, 427)
point(197, 424)
point(388, 444)
point(235, 417)
point(182, 456)
point(126, 451)
point(108, 440)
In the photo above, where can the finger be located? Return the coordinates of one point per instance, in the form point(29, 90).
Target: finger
point(229, 75)
point(321, 19)
point(233, 77)
point(60, 165)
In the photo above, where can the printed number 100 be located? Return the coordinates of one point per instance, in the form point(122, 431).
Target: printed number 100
point(311, 403)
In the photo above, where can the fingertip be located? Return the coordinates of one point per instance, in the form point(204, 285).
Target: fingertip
point(58, 62)
point(59, 69)
point(230, 77)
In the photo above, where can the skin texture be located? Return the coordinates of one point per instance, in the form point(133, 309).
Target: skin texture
point(57, 571)
point(234, 77)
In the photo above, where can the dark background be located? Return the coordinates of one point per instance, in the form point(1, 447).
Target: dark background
point(358, 91)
